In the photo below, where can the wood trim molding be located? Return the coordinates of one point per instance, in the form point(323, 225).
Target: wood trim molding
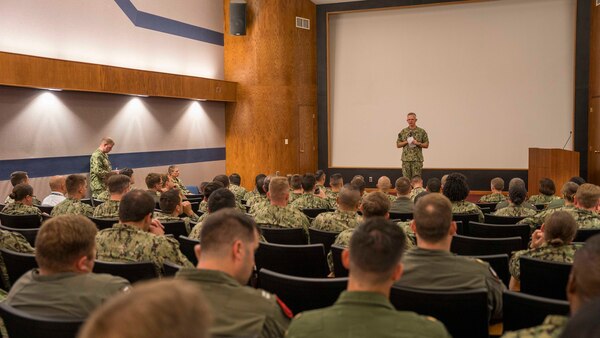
point(39, 72)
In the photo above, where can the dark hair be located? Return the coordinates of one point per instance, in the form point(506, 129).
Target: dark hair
point(74, 182)
point(235, 179)
point(375, 204)
point(577, 180)
point(319, 175)
point(517, 194)
point(433, 216)
point(211, 187)
point(260, 183)
point(585, 272)
point(434, 184)
point(118, 183)
point(497, 183)
point(224, 226)
point(220, 199)
point(266, 183)
point(169, 200)
point(416, 179)
point(403, 186)
point(421, 195)
point(308, 182)
point(584, 323)
point(336, 179)
point(126, 171)
point(20, 191)
point(136, 205)
point(202, 186)
point(560, 228)
point(18, 177)
point(456, 187)
point(358, 182)
point(223, 179)
point(153, 179)
point(569, 190)
point(296, 182)
point(547, 187)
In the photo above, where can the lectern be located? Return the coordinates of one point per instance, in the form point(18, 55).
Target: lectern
point(556, 164)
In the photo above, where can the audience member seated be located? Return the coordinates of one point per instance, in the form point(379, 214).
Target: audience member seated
point(457, 190)
point(156, 309)
point(296, 188)
point(578, 180)
point(225, 264)
point(320, 177)
point(58, 189)
point(260, 202)
point(208, 189)
point(64, 285)
point(568, 192)
point(235, 187)
point(22, 196)
point(519, 182)
point(173, 173)
point(278, 213)
point(403, 203)
point(19, 177)
point(167, 183)
point(260, 196)
point(15, 242)
point(219, 199)
point(443, 181)
point(364, 309)
point(551, 243)
point(358, 182)
point(384, 185)
point(546, 195)
point(417, 186)
point(516, 197)
point(154, 184)
point(76, 190)
point(345, 216)
point(584, 324)
point(432, 266)
point(118, 185)
point(257, 183)
point(434, 185)
point(583, 287)
point(496, 185)
point(309, 199)
point(137, 237)
point(172, 206)
point(336, 182)
point(105, 194)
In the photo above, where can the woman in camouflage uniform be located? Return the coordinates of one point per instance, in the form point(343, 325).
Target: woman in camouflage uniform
point(547, 190)
point(22, 194)
point(516, 197)
point(457, 190)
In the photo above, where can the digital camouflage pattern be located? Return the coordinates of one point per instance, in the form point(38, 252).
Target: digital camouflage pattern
point(238, 192)
point(515, 211)
point(561, 253)
point(413, 193)
point(414, 154)
point(294, 196)
point(542, 199)
point(412, 168)
point(9, 200)
point(99, 167)
point(585, 219)
point(258, 198)
point(179, 185)
point(15, 242)
point(310, 201)
point(104, 196)
point(337, 220)
point(402, 204)
point(203, 206)
point(250, 194)
point(557, 203)
point(108, 209)
point(18, 208)
point(552, 327)
point(525, 204)
point(467, 208)
point(331, 197)
point(258, 206)
point(495, 197)
point(283, 217)
point(196, 230)
point(163, 217)
point(71, 206)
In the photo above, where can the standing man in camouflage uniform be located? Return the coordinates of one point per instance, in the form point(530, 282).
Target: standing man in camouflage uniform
point(118, 185)
point(344, 217)
point(100, 166)
point(309, 200)
point(76, 190)
point(413, 139)
point(278, 213)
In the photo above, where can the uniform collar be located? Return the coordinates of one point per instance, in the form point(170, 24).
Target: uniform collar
point(206, 275)
point(364, 298)
point(431, 253)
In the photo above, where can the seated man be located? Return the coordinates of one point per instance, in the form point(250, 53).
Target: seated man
point(278, 213)
point(224, 180)
point(336, 182)
point(358, 182)
point(364, 308)
point(76, 190)
point(58, 189)
point(118, 185)
point(296, 187)
point(417, 186)
point(434, 185)
point(154, 184)
point(208, 189)
point(64, 285)
point(403, 203)
point(345, 216)
point(546, 195)
point(320, 176)
point(172, 206)
point(22, 197)
point(516, 181)
point(567, 192)
point(219, 199)
point(384, 185)
point(19, 177)
point(255, 192)
point(516, 196)
point(105, 194)
point(137, 237)
point(173, 173)
point(432, 266)
point(496, 185)
point(260, 195)
point(309, 200)
point(235, 187)
point(225, 264)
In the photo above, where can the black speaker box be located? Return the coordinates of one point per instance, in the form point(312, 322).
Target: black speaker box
point(237, 18)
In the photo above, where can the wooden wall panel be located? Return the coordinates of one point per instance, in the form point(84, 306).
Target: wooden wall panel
point(595, 51)
point(38, 72)
point(275, 68)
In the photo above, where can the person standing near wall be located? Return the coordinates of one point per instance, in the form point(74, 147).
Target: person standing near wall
point(100, 166)
point(413, 139)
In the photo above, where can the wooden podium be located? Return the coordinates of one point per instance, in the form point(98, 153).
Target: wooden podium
point(556, 164)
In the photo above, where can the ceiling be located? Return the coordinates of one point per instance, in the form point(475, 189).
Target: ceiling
point(322, 2)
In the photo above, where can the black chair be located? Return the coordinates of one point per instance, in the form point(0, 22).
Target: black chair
point(544, 278)
point(484, 230)
point(20, 324)
point(45, 208)
point(132, 271)
point(522, 310)
point(186, 245)
point(491, 206)
point(87, 201)
point(195, 206)
point(492, 219)
point(1, 207)
point(196, 197)
point(17, 263)
point(20, 221)
point(541, 206)
point(284, 235)
point(296, 260)
point(338, 268)
point(583, 234)
point(485, 210)
point(171, 268)
point(45, 218)
point(403, 216)
point(96, 202)
point(500, 264)
point(29, 234)
point(465, 219)
point(460, 228)
point(175, 228)
point(312, 213)
point(474, 246)
point(464, 313)
point(324, 237)
point(301, 293)
point(104, 223)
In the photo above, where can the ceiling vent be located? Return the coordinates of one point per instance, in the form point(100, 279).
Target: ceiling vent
point(305, 23)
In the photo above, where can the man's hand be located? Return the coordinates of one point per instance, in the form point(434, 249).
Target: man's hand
point(187, 208)
point(156, 228)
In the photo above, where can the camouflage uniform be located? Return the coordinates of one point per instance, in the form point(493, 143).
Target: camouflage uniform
point(250, 194)
point(196, 230)
point(108, 209)
point(467, 208)
point(71, 206)
point(552, 327)
point(412, 158)
point(99, 167)
point(203, 206)
point(402, 204)
point(283, 217)
point(257, 206)
point(560, 253)
point(310, 201)
point(585, 219)
point(256, 199)
point(413, 193)
point(163, 217)
point(557, 203)
point(126, 243)
point(495, 197)
point(338, 220)
point(18, 208)
point(238, 191)
point(9, 200)
point(179, 185)
point(542, 199)
point(525, 204)
point(515, 211)
point(103, 196)
point(294, 196)
point(15, 242)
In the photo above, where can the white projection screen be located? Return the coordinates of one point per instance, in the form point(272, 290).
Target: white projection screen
point(487, 80)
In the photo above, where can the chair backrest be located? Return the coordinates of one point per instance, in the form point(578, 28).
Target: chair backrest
point(312, 213)
point(45, 208)
point(464, 313)
point(170, 268)
point(104, 223)
point(301, 293)
point(465, 218)
point(1, 206)
point(324, 237)
point(500, 265)
point(45, 218)
point(193, 189)
point(176, 228)
point(491, 206)
point(403, 216)
point(284, 235)
point(87, 201)
point(17, 263)
point(541, 206)
point(20, 324)
point(460, 228)
point(20, 221)
point(186, 245)
point(29, 234)
point(544, 278)
point(96, 202)
point(296, 260)
point(336, 255)
point(195, 197)
point(583, 234)
point(493, 219)
point(133, 272)
point(522, 310)
point(485, 230)
point(195, 206)
point(474, 246)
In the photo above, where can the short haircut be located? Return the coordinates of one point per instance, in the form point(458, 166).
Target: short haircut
point(18, 177)
point(169, 200)
point(411, 113)
point(56, 182)
point(456, 187)
point(126, 171)
point(220, 229)
point(133, 314)
point(547, 186)
point(416, 179)
point(560, 228)
point(569, 190)
point(74, 182)
point(320, 174)
point(497, 183)
point(577, 180)
point(220, 199)
point(434, 184)
point(517, 194)
point(516, 181)
point(349, 197)
point(20, 191)
point(421, 195)
point(117, 184)
point(308, 182)
point(375, 204)
point(202, 186)
point(108, 175)
point(266, 183)
point(107, 140)
point(433, 216)
point(358, 182)
point(587, 195)
point(336, 180)
point(586, 269)
point(64, 239)
point(384, 182)
point(259, 181)
point(171, 168)
point(278, 188)
point(376, 248)
point(210, 187)
point(296, 182)
point(152, 179)
point(403, 186)
point(235, 179)
point(136, 205)
point(223, 179)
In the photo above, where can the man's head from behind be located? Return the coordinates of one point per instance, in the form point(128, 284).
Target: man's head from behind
point(76, 185)
point(235, 179)
point(154, 181)
point(66, 244)
point(416, 181)
point(308, 183)
point(118, 184)
point(433, 219)
point(584, 280)
point(278, 190)
point(403, 187)
point(336, 180)
point(384, 184)
point(434, 184)
point(58, 184)
point(18, 177)
point(136, 206)
point(587, 196)
point(220, 199)
point(348, 198)
point(170, 202)
point(497, 184)
point(296, 182)
point(223, 179)
point(375, 204)
point(211, 187)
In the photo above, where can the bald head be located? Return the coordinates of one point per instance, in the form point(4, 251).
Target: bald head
point(433, 218)
point(58, 183)
point(348, 198)
point(384, 184)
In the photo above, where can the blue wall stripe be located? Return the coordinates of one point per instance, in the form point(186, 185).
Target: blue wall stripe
point(49, 166)
point(169, 26)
